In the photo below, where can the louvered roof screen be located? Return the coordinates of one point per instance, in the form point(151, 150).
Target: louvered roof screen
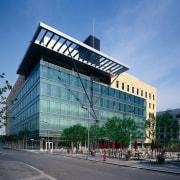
point(51, 39)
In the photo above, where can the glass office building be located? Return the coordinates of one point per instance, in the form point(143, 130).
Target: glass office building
point(52, 95)
point(55, 95)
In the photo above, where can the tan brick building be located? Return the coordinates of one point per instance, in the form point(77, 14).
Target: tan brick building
point(132, 85)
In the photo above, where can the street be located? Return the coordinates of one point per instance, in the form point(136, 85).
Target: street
point(63, 168)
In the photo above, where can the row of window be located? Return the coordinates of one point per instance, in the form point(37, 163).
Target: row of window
point(138, 91)
point(174, 116)
point(72, 95)
point(64, 80)
point(30, 125)
point(23, 102)
point(71, 110)
point(151, 106)
point(25, 113)
point(29, 83)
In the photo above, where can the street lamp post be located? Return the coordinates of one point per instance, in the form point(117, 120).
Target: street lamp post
point(48, 130)
point(131, 111)
point(88, 127)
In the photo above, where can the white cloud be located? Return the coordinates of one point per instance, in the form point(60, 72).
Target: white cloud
point(142, 37)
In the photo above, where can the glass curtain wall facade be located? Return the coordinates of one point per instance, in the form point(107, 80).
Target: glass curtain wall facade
point(26, 109)
point(52, 98)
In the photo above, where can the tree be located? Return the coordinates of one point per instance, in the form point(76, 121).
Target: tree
point(3, 90)
point(150, 125)
point(76, 133)
point(118, 129)
point(94, 133)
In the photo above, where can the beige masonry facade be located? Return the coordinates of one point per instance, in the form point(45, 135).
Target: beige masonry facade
point(132, 85)
point(20, 81)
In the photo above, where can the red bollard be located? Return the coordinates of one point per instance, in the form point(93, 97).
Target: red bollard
point(104, 156)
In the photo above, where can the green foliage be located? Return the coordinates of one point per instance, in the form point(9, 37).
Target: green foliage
point(3, 138)
point(3, 106)
point(120, 129)
point(115, 129)
point(94, 132)
point(76, 133)
point(21, 135)
point(24, 134)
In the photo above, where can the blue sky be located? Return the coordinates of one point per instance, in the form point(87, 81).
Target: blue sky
point(144, 34)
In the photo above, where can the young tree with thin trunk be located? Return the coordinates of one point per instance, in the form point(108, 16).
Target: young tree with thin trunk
point(3, 113)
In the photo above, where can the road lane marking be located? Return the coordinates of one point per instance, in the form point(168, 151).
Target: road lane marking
point(42, 174)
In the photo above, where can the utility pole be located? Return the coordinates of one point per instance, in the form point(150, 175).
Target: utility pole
point(88, 127)
point(131, 111)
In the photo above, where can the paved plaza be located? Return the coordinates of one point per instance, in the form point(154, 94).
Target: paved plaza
point(151, 164)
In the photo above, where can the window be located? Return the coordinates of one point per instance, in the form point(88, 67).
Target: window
point(128, 88)
point(54, 91)
point(125, 110)
point(122, 86)
point(153, 106)
point(153, 125)
point(74, 81)
point(149, 105)
point(117, 84)
point(153, 96)
point(132, 89)
point(145, 94)
point(149, 95)
point(178, 116)
point(137, 91)
point(141, 92)
point(53, 107)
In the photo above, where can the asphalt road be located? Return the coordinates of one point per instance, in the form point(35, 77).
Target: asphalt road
point(66, 168)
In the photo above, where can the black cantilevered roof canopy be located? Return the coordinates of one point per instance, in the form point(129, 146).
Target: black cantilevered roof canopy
point(59, 48)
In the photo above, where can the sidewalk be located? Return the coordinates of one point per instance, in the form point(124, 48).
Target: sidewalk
point(169, 166)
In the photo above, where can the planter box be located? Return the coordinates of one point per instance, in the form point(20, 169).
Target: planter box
point(93, 153)
point(69, 151)
point(128, 158)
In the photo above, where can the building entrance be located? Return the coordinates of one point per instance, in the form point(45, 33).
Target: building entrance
point(49, 145)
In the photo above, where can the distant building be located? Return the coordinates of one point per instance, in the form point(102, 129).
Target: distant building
point(59, 75)
point(168, 126)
